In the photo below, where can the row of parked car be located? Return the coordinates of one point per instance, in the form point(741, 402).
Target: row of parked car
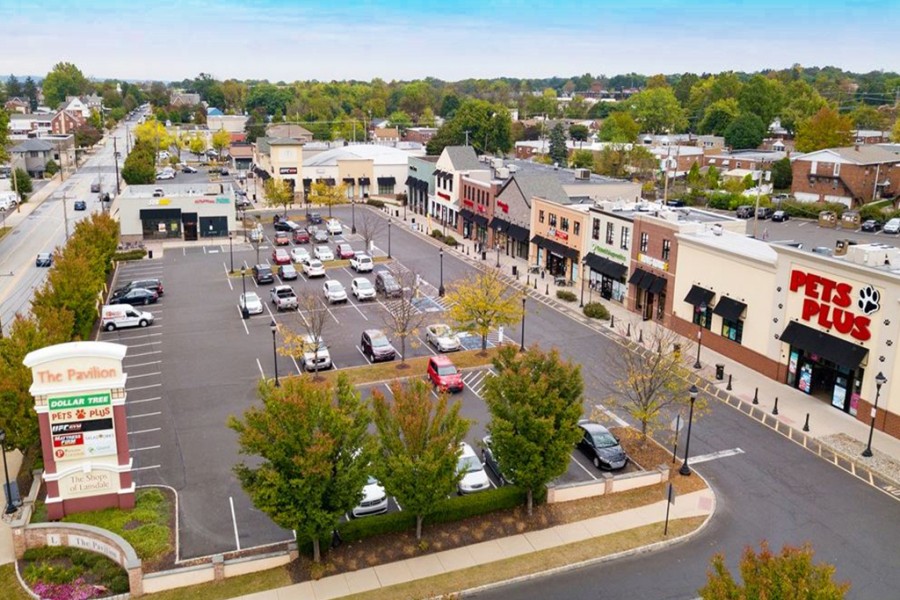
point(120, 312)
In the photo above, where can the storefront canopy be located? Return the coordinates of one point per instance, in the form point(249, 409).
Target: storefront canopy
point(647, 281)
point(602, 265)
point(466, 214)
point(518, 233)
point(363, 181)
point(829, 347)
point(498, 224)
point(555, 247)
point(729, 308)
point(480, 219)
point(699, 296)
point(386, 181)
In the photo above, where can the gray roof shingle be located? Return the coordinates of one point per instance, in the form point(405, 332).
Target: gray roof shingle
point(463, 158)
point(543, 185)
point(33, 145)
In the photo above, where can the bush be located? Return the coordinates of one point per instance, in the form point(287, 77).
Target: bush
point(436, 233)
point(51, 168)
point(811, 210)
point(451, 241)
point(375, 203)
point(136, 254)
point(726, 201)
point(61, 566)
point(595, 310)
point(566, 295)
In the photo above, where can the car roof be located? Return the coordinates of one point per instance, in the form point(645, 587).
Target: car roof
point(361, 280)
point(465, 449)
point(374, 332)
point(441, 360)
point(592, 427)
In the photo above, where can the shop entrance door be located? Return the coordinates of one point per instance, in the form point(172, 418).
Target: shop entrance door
point(648, 306)
point(606, 288)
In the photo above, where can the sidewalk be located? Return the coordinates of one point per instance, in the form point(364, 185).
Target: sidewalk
point(7, 553)
point(695, 504)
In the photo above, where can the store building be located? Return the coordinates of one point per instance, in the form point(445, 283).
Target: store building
point(557, 239)
point(365, 169)
point(420, 183)
point(176, 211)
point(453, 162)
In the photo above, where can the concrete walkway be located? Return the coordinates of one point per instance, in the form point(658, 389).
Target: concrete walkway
point(7, 553)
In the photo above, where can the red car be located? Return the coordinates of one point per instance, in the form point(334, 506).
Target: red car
point(345, 251)
point(281, 257)
point(282, 238)
point(301, 236)
point(444, 375)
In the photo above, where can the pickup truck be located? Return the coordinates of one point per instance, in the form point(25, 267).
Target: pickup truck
point(283, 297)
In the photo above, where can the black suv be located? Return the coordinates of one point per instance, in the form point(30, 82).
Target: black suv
point(314, 218)
point(387, 285)
point(263, 274)
point(286, 225)
point(376, 346)
point(154, 285)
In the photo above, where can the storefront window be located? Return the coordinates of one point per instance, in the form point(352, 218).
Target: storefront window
point(595, 229)
point(733, 330)
point(660, 306)
point(541, 216)
point(576, 228)
point(703, 316)
point(385, 190)
point(552, 220)
point(610, 233)
point(564, 223)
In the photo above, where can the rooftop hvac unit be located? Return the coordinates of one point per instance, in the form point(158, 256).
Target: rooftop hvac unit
point(512, 168)
point(583, 174)
point(497, 163)
point(503, 173)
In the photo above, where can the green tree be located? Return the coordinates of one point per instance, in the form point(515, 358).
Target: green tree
point(718, 116)
point(400, 120)
point(14, 87)
point(694, 178)
point(4, 135)
point(763, 97)
point(782, 175)
point(427, 119)
point(322, 194)
point(221, 140)
point(579, 133)
point(140, 164)
point(65, 79)
point(418, 446)
point(535, 402)
point(583, 159)
point(51, 168)
point(683, 87)
point(747, 131)
point(313, 454)
point(712, 178)
point(895, 132)
point(619, 127)
point(488, 126)
point(449, 105)
point(826, 129)
point(803, 101)
point(278, 194)
point(868, 117)
point(30, 91)
point(23, 183)
point(789, 575)
point(657, 110)
point(558, 152)
point(87, 135)
point(482, 302)
point(153, 133)
point(67, 288)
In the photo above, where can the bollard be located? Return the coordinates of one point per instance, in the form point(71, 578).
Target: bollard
point(628, 331)
point(612, 320)
point(806, 424)
point(547, 290)
point(467, 250)
point(659, 347)
point(640, 336)
point(535, 283)
point(775, 409)
point(728, 387)
point(756, 396)
point(527, 279)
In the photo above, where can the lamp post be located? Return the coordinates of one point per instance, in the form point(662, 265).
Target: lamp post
point(441, 287)
point(10, 508)
point(353, 215)
point(389, 237)
point(699, 344)
point(880, 380)
point(685, 469)
point(581, 303)
point(522, 342)
point(274, 327)
point(498, 255)
point(245, 312)
point(231, 251)
point(244, 224)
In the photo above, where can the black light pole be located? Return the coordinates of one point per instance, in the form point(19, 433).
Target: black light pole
point(10, 508)
point(353, 215)
point(581, 304)
point(522, 343)
point(274, 327)
point(880, 380)
point(685, 469)
point(231, 251)
point(441, 287)
point(699, 343)
point(389, 237)
point(245, 312)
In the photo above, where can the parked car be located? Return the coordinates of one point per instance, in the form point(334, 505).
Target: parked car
point(870, 225)
point(374, 499)
point(280, 256)
point(286, 225)
point(744, 211)
point(282, 238)
point(257, 234)
point(442, 337)
point(892, 226)
point(153, 284)
point(299, 254)
point(241, 201)
point(764, 212)
point(490, 460)
point(283, 297)
point(300, 237)
point(314, 218)
point(44, 259)
point(323, 253)
point(362, 289)
point(251, 302)
point(263, 274)
point(288, 272)
point(8, 201)
point(134, 297)
point(361, 263)
point(80, 205)
point(376, 346)
point(601, 446)
point(315, 357)
point(387, 285)
point(334, 291)
point(313, 267)
point(334, 227)
point(444, 375)
point(474, 479)
point(188, 169)
point(779, 215)
point(320, 236)
point(345, 251)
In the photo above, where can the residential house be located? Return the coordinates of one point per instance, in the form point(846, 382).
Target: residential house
point(386, 135)
point(185, 99)
point(76, 104)
point(871, 136)
point(852, 176)
point(419, 134)
point(93, 102)
point(290, 131)
point(754, 160)
point(66, 121)
point(677, 160)
point(28, 125)
point(17, 105)
point(32, 155)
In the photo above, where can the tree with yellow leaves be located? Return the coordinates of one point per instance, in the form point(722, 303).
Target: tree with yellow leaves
point(278, 193)
point(322, 194)
point(221, 140)
point(482, 302)
point(154, 133)
point(307, 341)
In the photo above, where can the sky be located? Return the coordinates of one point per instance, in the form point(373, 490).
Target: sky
point(406, 39)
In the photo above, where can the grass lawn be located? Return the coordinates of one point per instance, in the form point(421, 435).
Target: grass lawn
point(4, 231)
point(230, 588)
point(10, 584)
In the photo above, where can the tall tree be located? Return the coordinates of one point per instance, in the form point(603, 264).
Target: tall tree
point(221, 140)
point(154, 134)
point(14, 87)
point(278, 194)
point(535, 403)
point(370, 225)
point(315, 319)
point(558, 152)
point(619, 127)
point(313, 453)
point(826, 129)
point(482, 302)
point(488, 126)
point(322, 194)
point(403, 317)
point(583, 159)
point(657, 110)
point(869, 117)
point(683, 88)
point(65, 79)
point(418, 446)
point(747, 131)
point(4, 135)
point(23, 183)
point(763, 97)
point(30, 91)
point(579, 133)
point(803, 101)
point(718, 116)
point(782, 174)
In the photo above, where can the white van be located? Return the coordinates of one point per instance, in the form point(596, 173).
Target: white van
point(8, 200)
point(115, 316)
point(892, 226)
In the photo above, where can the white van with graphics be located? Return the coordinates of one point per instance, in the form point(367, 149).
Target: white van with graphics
point(116, 316)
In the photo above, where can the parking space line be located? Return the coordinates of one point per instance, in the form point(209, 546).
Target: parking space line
point(714, 455)
point(618, 420)
point(583, 468)
point(430, 349)
point(145, 448)
point(142, 345)
point(145, 468)
point(328, 308)
point(136, 337)
point(153, 399)
point(296, 366)
point(237, 540)
point(350, 302)
point(130, 377)
point(153, 414)
point(243, 320)
point(145, 431)
point(364, 355)
point(261, 372)
point(388, 388)
point(146, 353)
point(152, 362)
point(269, 310)
point(143, 387)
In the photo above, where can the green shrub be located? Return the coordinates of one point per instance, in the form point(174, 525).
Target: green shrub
point(566, 295)
point(61, 564)
point(451, 241)
point(811, 210)
point(375, 203)
point(358, 529)
point(726, 201)
point(136, 254)
point(595, 310)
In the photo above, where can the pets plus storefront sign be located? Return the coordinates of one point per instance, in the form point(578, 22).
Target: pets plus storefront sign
point(834, 304)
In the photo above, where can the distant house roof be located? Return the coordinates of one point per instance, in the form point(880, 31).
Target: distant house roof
point(284, 142)
point(262, 145)
point(463, 158)
point(387, 132)
point(864, 154)
point(542, 185)
point(214, 112)
point(241, 151)
point(32, 145)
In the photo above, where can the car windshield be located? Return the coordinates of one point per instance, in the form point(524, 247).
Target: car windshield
point(604, 440)
point(379, 341)
point(447, 370)
point(389, 281)
point(315, 264)
point(363, 284)
point(468, 464)
point(334, 286)
point(252, 297)
point(265, 271)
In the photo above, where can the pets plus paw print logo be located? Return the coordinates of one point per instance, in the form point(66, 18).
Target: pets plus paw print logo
point(80, 414)
point(869, 299)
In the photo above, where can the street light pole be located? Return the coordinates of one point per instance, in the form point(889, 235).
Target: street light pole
point(231, 251)
point(389, 237)
point(441, 287)
point(10, 507)
point(699, 343)
point(498, 255)
point(353, 215)
point(274, 327)
point(522, 343)
point(685, 469)
point(880, 380)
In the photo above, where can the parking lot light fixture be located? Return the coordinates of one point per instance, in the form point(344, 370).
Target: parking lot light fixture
point(685, 469)
point(522, 342)
point(880, 380)
point(441, 287)
point(389, 237)
point(697, 364)
point(274, 327)
point(231, 251)
point(353, 215)
point(10, 507)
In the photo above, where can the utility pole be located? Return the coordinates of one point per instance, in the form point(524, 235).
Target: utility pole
point(467, 136)
point(116, 162)
point(66, 215)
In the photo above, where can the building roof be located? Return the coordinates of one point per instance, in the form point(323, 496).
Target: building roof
point(864, 154)
point(262, 145)
point(542, 185)
point(379, 155)
point(463, 158)
point(32, 145)
point(214, 112)
point(734, 243)
point(284, 142)
point(387, 132)
point(241, 151)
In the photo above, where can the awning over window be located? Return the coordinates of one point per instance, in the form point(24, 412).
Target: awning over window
point(647, 281)
point(480, 219)
point(829, 347)
point(328, 181)
point(409, 180)
point(555, 247)
point(602, 265)
point(349, 180)
point(658, 284)
point(467, 214)
point(698, 296)
point(729, 308)
point(363, 181)
point(518, 233)
point(160, 213)
point(307, 183)
point(498, 224)
point(386, 181)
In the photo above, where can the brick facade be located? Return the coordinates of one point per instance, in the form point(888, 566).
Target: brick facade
point(830, 178)
point(655, 259)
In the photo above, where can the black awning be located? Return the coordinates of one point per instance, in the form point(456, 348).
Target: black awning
point(555, 247)
point(160, 213)
point(409, 180)
point(498, 224)
point(604, 266)
point(467, 214)
point(481, 219)
point(386, 181)
point(657, 285)
point(699, 295)
point(329, 181)
point(422, 185)
point(637, 276)
point(349, 180)
point(647, 281)
point(729, 308)
point(436, 172)
point(518, 233)
point(265, 176)
point(829, 347)
point(363, 181)
point(307, 183)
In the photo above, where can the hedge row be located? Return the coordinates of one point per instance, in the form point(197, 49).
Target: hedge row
point(447, 239)
point(136, 254)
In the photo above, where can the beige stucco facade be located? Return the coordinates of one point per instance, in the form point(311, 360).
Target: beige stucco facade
point(286, 161)
point(359, 170)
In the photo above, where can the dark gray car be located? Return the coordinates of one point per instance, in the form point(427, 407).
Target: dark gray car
point(601, 446)
point(387, 285)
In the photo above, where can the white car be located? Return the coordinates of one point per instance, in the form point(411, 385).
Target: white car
point(474, 478)
point(333, 226)
point(252, 302)
point(165, 175)
point(299, 254)
point(324, 253)
point(315, 356)
point(374, 499)
point(362, 289)
point(442, 337)
point(313, 268)
point(334, 291)
point(362, 263)
point(256, 234)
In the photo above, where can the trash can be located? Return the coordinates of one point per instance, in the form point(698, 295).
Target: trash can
point(720, 371)
point(149, 253)
point(484, 255)
point(515, 270)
